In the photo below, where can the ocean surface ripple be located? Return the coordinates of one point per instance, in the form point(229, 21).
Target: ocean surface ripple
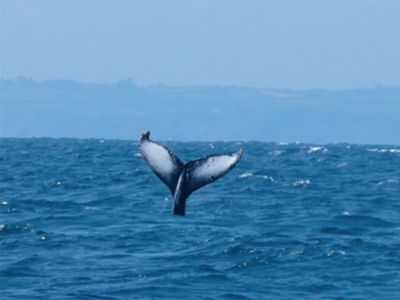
point(86, 219)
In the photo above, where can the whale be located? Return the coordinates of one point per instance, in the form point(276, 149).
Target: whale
point(183, 179)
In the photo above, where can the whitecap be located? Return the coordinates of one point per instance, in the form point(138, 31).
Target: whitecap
point(4, 202)
point(389, 181)
point(346, 213)
point(383, 150)
point(2, 226)
point(91, 208)
point(28, 227)
point(276, 152)
point(316, 149)
point(392, 181)
point(297, 252)
point(137, 154)
point(211, 145)
point(270, 178)
point(394, 150)
point(342, 165)
point(246, 175)
point(336, 252)
point(302, 182)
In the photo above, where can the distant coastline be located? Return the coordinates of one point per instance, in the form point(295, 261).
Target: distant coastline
point(63, 108)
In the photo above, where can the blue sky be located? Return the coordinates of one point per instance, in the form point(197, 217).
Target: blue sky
point(279, 44)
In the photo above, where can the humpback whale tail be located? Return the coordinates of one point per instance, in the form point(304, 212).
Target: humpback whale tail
point(183, 179)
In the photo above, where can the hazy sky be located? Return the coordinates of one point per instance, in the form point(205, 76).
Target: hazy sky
point(295, 44)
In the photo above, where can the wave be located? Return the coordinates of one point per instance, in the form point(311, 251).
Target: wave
point(389, 182)
point(246, 175)
point(302, 182)
point(317, 149)
point(394, 150)
point(100, 223)
point(251, 174)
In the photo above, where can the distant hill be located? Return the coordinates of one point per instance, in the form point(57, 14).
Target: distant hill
point(122, 110)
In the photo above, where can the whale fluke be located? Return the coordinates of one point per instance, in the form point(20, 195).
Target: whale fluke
point(207, 170)
point(184, 179)
point(165, 164)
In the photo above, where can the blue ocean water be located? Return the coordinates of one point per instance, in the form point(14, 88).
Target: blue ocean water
point(87, 219)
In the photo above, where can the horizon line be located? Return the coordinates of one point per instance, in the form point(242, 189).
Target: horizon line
point(199, 141)
point(216, 85)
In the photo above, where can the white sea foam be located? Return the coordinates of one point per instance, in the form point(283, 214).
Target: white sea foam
point(246, 175)
point(91, 208)
point(336, 252)
point(137, 154)
point(316, 149)
point(270, 178)
point(302, 182)
point(276, 152)
point(250, 174)
point(2, 226)
point(4, 202)
point(383, 150)
point(297, 252)
point(342, 165)
point(389, 181)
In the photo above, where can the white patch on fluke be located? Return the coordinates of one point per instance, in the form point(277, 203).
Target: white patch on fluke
point(215, 166)
point(183, 179)
point(158, 157)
